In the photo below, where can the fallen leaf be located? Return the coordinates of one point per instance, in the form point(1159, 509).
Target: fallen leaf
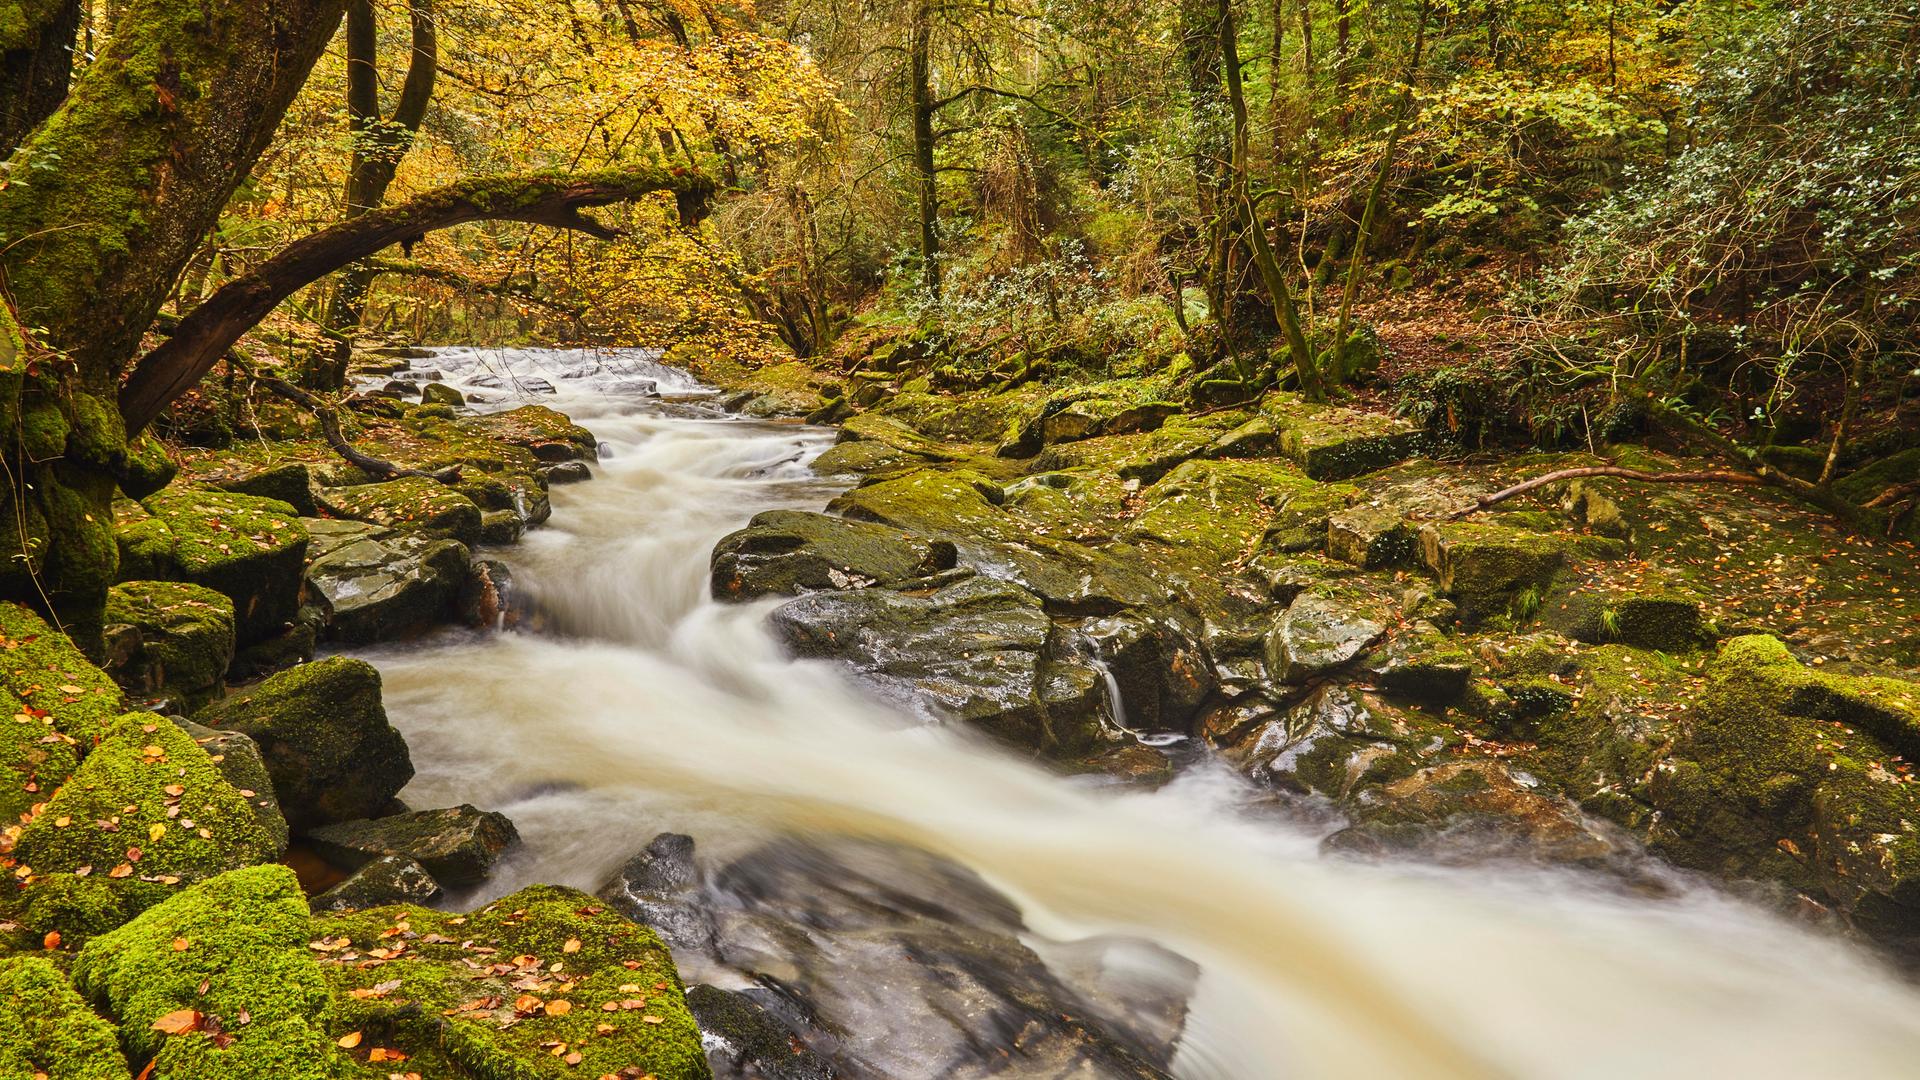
point(559, 1007)
point(179, 1021)
point(180, 944)
point(572, 945)
point(51, 941)
point(349, 1040)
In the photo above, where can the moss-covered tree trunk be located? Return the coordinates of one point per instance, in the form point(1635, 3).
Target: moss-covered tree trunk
point(36, 60)
point(127, 177)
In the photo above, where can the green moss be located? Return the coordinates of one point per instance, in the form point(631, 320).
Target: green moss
point(1144, 457)
point(185, 633)
point(242, 937)
point(56, 705)
point(410, 502)
point(50, 1032)
point(146, 813)
point(1331, 443)
point(470, 1016)
point(251, 550)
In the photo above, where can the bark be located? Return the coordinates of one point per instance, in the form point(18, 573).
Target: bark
point(1712, 476)
point(1356, 263)
point(168, 121)
point(206, 333)
point(36, 62)
point(379, 146)
point(927, 195)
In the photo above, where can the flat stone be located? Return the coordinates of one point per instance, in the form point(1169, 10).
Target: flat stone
point(458, 845)
point(1320, 632)
point(389, 879)
point(1333, 443)
point(787, 552)
point(376, 584)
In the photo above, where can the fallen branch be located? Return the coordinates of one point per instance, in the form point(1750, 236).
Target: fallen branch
point(205, 334)
point(1713, 476)
point(1894, 494)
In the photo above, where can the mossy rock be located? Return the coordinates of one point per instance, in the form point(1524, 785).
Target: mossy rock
point(1789, 774)
point(1664, 620)
point(457, 845)
point(559, 975)
point(146, 813)
point(148, 468)
point(410, 503)
point(378, 584)
point(1483, 565)
point(250, 549)
point(1144, 457)
point(50, 1033)
point(290, 482)
point(1338, 742)
point(228, 960)
point(864, 457)
point(240, 761)
point(325, 738)
point(1333, 443)
point(56, 704)
point(787, 552)
point(184, 635)
point(968, 418)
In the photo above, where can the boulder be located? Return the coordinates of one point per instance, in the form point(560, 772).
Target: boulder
point(1420, 663)
point(457, 845)
point(1322, 631)
point(501, 527)
point(569, 472)
point(238, 758)
point(439, 393)
point(787, 552)
point(51, 1033)
point(325, 737)
point(1333, 443)
point(251, 550)
point(745, 1035)
point(288, 482)
point(377, 584)
point(146, 813)
point(1158, 664)
point(412, 504)
point(976, 651)
point(1484, 565)
point(1369, 537)
point(66, 703)
point(1469, 812)
point(661, 887)
point(389, 879)
point(179, 640)
point(245, 971)
point(1667, 620)
point(1336, 742)
point(294, 645)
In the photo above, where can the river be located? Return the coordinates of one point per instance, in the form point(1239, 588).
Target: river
point(647, 707)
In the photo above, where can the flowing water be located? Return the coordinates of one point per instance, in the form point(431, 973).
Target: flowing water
point(649, 707)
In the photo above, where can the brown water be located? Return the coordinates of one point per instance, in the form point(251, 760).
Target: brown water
point(657, 709)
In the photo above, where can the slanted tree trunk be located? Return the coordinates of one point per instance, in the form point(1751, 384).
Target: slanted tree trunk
point(142, 156)
point(378, 147)
point(206, 333)
point(36, 61)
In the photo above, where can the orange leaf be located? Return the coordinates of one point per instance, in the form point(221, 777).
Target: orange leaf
point(559, 1007)
point(179, 1021)
point(349, 1040)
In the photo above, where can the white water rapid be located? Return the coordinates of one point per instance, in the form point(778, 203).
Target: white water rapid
point(654, 708)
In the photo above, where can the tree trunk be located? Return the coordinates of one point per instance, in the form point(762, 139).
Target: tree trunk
point(920, 74)
point(143, 154)
point(209, 331)
point(36, 61)
point(378, 148)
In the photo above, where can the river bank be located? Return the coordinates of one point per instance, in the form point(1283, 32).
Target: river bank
point(1192, 900)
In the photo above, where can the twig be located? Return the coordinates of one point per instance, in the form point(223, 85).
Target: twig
point(1715, 476)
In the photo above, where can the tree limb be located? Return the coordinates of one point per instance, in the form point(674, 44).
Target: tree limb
point(1712, 476)
point(206, 333)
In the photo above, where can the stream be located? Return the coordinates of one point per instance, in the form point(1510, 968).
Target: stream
point(643, 706)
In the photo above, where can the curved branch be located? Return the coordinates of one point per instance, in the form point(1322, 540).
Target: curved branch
point(1713, 476)
point(206, 333)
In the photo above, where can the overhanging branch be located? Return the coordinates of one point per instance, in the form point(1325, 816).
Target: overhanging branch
point(205, 334)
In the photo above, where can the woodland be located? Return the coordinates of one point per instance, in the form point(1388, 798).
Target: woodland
point(1537, 381)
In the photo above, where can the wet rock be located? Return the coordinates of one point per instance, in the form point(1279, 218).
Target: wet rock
point(247, 548)
point(569, 472)
point(743, 1038)
point(1470, 812)
point(438, 393)
point(175, 819)
point(487, 598)
point(238, 758)
point(1421, 663)
point(181, 640)
point(977, 651)
point(550, 435)
point(1337, 741)
point(1158, 664)
point(1320, 632)
point(409, 503)
point(294, 645)
point(501, 527)
point(458, 845)
point(907, 966)
point(377, 584)
point(389, 879)
point(327, 743)
point(786, 552)
point(661, 888)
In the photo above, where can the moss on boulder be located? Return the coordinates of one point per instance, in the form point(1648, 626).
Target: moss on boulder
point(250, 549)
point(56, 705)
point(181, 639)
point(50, 1033)
point(787, 552)
point(228, 960)
point(549, 435)
point(410, 503)
point(325, 738)
point(1333, 443)
point(147, 812)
